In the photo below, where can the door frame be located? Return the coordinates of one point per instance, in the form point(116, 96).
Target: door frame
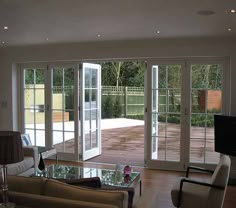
point(158, 164)
point(185, 108)
point(87, 154)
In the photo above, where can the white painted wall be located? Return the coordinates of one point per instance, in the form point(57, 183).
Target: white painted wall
point(174, 48)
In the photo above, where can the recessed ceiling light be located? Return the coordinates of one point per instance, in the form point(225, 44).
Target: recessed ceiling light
point(232, 10)
point(5, 28)
point(205, 12)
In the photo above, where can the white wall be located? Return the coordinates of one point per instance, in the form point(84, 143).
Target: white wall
point(174, 48)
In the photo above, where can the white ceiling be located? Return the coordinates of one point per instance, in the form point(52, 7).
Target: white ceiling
point(32, 21)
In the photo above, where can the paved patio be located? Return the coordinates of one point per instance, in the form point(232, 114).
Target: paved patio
point(124, 143)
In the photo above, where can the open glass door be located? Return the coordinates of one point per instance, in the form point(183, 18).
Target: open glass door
point(166, 109)
point(90, 114)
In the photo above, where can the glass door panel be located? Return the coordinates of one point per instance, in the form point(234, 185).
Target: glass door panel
point(34, 105)
point(166, 112)
point(62, 109)
point(91, 110)
point(206, 94)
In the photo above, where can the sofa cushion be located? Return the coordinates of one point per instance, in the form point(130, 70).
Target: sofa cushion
point(20, 167)
point(32, 185)
point(39, 201)
point(58, 189)
point(93, 182)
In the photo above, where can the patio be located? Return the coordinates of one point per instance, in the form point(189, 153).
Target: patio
point(123, 143)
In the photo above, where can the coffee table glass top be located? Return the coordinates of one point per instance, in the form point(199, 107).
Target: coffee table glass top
point(108, 177)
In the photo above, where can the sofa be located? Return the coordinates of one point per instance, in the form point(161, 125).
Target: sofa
point(42, 192)
point(26, 167)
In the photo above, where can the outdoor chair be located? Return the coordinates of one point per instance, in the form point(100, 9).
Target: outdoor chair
point(188, 192)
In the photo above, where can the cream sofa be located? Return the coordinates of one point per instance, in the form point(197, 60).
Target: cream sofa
point(26, 167)
point(41, 192)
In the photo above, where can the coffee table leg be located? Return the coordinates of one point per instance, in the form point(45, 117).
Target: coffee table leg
point(140, 188)
point(56, 159)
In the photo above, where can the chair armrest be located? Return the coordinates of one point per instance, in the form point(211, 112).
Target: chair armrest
point(187, 180)
point(197, 168)
point(32, 151)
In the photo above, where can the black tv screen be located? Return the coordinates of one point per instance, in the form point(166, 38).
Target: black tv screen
point(225, 134)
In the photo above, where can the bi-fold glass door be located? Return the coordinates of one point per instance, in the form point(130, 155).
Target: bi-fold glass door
point(183, 97)
point(61, 108)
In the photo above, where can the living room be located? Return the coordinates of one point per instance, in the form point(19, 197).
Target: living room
point(23, 46)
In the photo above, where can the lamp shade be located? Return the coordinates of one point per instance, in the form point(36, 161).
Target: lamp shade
point(11, 150)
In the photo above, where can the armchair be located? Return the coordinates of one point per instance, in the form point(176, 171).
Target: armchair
point(188, 192)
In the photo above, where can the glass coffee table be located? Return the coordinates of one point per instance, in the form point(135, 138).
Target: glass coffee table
point(109, 178)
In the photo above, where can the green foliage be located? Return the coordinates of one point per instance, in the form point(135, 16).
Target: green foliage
point(111, 108)
point(138, 117)
point(107, 107)
point(117, 109)
point(129, 73)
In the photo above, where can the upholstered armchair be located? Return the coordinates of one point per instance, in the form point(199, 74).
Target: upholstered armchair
point(188, 192)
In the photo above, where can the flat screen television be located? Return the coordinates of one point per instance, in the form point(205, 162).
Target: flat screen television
point(225, 134)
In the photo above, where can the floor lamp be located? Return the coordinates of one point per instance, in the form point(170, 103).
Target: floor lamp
point(11, 151)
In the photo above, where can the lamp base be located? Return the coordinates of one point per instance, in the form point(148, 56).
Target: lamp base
point(7, 205)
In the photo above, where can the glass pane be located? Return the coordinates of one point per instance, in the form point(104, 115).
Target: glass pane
point(174, 100)
point(39, 95)
point(211, 155)
point(214, 101)
point(40, 137)
point(57, 117)
point(161, 148)
point(154, 100)
point(173, 149)
point(154, 143)
point(162, 75)
point(69, 78)
point(69, 98)
point(161, 129)
point(167, 105)
point(88, 144)
point(206, 101)
point(197, 150)
point(57, 77)
point(174, 76)
point(40, 120)
point(39, 79)
point(29, 98)
point(94, 78)
point(69, 142)
point(32, 135)
point(29, 119)
point(58, 140)
point(173, 129)
point(29, 76)
point(94, 98)
point(88, 78)
point(94, 139)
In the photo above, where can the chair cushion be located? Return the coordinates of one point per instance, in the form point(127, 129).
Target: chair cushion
point(193, 195)
point(62, 190)
point(20, 167)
